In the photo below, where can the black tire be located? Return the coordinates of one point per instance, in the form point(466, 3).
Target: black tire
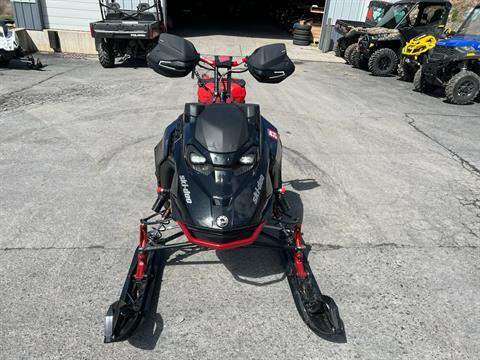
point(404, 74)
point(348, 52)
point(337, 50)
point(301, 42)
point(306, 27)
point(383, 62)
point(357, 60)
point(4, 63)
point(301, 32)
point(463, 88)
point(302, 37)
point(106, 55)
point(419, 82)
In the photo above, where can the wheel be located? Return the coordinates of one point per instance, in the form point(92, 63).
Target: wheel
point(357, 60)
point(419, 82)
point(106, 54)
point(463, 88)
point(301, 42)
point(383, 62)
point(301, 32)
point(336, 49)
point(302, 37)
point(305, 27)
point(403, 73)
point(348, 52)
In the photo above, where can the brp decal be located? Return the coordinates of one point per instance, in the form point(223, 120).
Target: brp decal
point(186, 192)
point(222, 221)
point(272, 134)
point(258, 189)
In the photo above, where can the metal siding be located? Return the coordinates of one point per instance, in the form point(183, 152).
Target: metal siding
point(78, 14)
point(27, 14)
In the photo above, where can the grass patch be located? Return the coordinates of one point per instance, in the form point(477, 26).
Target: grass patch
point(8, 18)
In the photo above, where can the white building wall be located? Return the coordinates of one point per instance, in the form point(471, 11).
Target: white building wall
point(77, 14)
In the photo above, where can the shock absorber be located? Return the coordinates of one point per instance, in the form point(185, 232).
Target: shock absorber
point(298, 255)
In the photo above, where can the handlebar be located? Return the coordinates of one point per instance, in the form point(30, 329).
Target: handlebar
point(213, 62)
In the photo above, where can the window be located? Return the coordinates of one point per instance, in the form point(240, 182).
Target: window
point(432, 15)
point(394, 16)
point(471, 26)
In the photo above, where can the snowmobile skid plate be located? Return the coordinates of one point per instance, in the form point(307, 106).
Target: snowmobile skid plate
point(124, 316)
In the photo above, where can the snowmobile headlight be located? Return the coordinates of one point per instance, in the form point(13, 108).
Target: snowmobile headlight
point(247, 159)
point(197, 159)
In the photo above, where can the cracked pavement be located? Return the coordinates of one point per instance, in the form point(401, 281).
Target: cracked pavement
point(385, 179)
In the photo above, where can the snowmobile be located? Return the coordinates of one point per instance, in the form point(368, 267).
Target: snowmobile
point(10, 49)
point(218, 170)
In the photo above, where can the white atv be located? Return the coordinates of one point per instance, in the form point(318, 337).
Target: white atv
point(10, 48)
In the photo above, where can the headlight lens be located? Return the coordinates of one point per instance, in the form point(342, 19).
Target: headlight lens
point(247, 159)
point(197, 159)
point(467, 49)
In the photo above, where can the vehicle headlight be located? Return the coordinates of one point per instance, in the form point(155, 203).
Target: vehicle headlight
point(467, 49)
point(248, 159)
point(197, 159)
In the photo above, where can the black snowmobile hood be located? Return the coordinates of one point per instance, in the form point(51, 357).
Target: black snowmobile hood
point(222, 194)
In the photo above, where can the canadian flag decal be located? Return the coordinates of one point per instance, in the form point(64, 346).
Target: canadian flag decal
point(272, 134)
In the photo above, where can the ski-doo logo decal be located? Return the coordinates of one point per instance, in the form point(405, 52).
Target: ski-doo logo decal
point(272, 134)
point(258, 189)
point(222, 221)
point(186, 192)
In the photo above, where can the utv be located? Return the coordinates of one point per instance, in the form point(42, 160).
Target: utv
point(352, 30)
point(454, 63)
point(380, 48)
point(413, 56)
point(122, 32)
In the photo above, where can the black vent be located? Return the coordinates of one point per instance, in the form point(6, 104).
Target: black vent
point(222, 237)
point(442, 52)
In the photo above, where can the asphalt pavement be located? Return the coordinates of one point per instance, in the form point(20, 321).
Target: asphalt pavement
point(387, 181)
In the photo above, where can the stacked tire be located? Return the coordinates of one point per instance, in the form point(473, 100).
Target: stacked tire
point(302, 34)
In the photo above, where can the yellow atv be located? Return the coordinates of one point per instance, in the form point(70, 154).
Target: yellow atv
point(414, 53)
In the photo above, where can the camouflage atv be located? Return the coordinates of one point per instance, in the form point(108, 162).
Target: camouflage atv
point(351, 31)
point(380, 48)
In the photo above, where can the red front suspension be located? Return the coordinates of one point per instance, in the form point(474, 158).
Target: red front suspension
point(298, 254)
point(141, 256)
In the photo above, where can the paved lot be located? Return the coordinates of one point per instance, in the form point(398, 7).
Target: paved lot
point(388, 180)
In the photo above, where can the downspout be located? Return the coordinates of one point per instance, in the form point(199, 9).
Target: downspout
point(323, 31)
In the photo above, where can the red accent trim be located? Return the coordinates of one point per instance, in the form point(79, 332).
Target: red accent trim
point(159, 189)
point(141, 257)
point(298, 256)
point(283, 189)
point(211, 62)
point(207, 60)
point(231, 244)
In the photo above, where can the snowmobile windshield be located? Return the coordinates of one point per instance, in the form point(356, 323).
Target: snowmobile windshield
point(471, 26)
point(394, 16)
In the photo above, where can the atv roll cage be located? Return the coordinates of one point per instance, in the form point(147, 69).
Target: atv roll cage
point(111, 7)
